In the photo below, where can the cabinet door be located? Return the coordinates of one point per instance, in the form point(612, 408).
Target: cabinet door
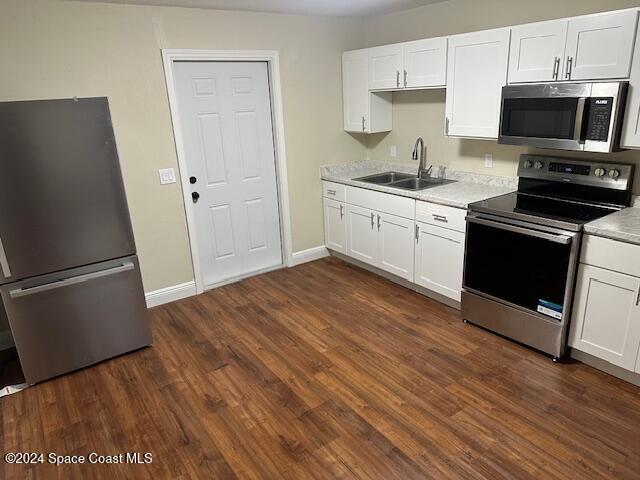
point(362, 235)
point(476, 73)
point(385, 67)
point(600, 46)
point(439, 260)
point(335, 227)
point(606, 316)
point(355, 90)
point(395, 245)
point(425, 63)
point(537, 52)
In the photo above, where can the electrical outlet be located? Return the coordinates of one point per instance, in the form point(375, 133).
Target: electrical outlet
point(488, 160)
point(393, 151)
point(167, 175)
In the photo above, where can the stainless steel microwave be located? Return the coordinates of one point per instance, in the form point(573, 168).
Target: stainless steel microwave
point(585, 117)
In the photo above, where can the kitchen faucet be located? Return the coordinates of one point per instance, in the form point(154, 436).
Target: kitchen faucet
point(422, 154)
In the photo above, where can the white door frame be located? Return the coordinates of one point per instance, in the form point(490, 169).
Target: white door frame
point(169, 57)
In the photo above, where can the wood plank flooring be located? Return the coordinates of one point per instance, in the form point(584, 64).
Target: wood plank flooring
point(326, 371)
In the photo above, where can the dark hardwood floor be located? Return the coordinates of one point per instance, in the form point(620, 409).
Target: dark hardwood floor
point(327, 371)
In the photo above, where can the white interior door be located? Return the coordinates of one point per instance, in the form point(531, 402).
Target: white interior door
point(225, 117)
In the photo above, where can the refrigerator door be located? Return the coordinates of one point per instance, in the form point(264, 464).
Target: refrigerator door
point(69, 320)
point(62, 201)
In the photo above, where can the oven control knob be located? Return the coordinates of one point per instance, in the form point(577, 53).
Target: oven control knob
point(614, 174)
point(538, 165)
point(527, 164)
point(600, 172)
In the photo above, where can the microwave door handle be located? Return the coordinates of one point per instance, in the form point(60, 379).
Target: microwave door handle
point(563, 239)
point(577, 131)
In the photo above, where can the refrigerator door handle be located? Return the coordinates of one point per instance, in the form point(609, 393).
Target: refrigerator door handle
point(20, 292)
point(4, 263)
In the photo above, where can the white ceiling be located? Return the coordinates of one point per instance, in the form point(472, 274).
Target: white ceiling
point(307, 7)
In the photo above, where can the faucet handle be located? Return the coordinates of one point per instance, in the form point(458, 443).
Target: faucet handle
point(441, 171)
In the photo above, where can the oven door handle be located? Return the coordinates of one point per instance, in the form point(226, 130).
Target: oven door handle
point(563, 239)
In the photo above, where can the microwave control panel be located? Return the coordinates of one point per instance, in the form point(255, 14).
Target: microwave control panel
point(599, 118)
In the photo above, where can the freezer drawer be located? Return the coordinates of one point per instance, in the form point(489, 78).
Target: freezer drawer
point(66, 321)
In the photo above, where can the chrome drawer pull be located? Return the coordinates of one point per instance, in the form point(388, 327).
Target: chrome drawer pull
point(440, 218)
point(331, 192)
point(23, 292)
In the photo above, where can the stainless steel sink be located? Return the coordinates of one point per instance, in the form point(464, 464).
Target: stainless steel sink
point(415, 183)
point(385, 178)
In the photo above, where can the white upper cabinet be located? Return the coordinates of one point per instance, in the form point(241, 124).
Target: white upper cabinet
point(600, 46)
point(425, 63)
point(537, 52)
point(476, 73)
point(385, 67)
point(631, 125)
point(364, 112)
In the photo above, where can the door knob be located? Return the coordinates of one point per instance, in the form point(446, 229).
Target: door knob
point(195, 196)
point(192, 180)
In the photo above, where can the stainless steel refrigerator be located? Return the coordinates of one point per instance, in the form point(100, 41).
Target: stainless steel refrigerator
point(69, 276)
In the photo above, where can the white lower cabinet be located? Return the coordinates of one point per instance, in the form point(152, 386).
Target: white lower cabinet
point(606, 316)
point(439, 259)
point(335, 226)
point(395, 245)
point(417, 241)
point(362, 234)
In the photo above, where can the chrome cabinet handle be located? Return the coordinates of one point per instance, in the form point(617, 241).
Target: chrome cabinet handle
point(20, 292)
point(363, 123)
point(440, 218)
point(405, 78)
point(446, 126)
point(569, 67)
point(372, 217)
point(397, 78)
point(556, 68)
point(638, 298)
point(417, 233)
point(4, 263)
point(331, 192)
point(378, 222)
point(341, 211)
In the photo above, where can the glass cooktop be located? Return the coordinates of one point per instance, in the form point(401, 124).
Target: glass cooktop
point(542, 210)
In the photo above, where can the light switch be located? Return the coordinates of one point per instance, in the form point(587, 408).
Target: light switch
point(167, 175)
point(488, 160)
point(393, 151)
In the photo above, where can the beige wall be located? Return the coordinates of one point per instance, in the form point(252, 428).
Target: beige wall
point(421, 113)
point(54, 49)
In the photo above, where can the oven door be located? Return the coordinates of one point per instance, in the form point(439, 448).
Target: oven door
point(529, 267)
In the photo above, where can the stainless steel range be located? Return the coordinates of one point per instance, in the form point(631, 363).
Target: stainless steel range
point(522, 248)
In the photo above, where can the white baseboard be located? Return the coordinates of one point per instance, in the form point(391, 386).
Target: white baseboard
point(6, 340)
point(308, 255)
point(170, 294)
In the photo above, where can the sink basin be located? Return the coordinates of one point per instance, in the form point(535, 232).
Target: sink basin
point(415, 183)
point(385, 178)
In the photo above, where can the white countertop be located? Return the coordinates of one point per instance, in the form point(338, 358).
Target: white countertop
point(467, 189)
point(623, 225)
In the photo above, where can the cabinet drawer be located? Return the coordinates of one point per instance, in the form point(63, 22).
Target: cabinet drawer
point(441, 216)
point(336, 191)
point(382, 202)
point(611, 254)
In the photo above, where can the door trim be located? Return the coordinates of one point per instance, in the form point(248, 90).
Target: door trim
point(271, 57)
